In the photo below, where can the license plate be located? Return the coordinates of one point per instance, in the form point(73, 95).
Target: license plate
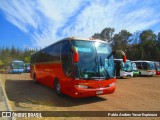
point(99, 92)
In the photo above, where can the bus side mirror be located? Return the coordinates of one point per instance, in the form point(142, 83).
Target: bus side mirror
point(124, 58)
point(75, 54)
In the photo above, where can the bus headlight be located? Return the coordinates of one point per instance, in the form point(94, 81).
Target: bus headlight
point(112, 84)
point(81, 86)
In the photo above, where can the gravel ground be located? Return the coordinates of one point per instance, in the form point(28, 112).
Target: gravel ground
point(133, 94)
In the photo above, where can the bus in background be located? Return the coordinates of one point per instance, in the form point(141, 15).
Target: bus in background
point(123, 69)
point(135, 69)
point(145, 67)
point(157, 65)
point(16, 66)
point(76, 67)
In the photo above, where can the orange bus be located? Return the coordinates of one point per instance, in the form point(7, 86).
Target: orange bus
point(76, 67)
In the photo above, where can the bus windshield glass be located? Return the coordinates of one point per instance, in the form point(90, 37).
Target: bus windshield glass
point(127, 66)
point(158, 68)
point(151, 65)
point(93, 62)
point(134, 67)
point(18, 65)
point(157, 65)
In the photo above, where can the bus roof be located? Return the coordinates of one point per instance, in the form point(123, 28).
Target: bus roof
point(142, 61)
point(76, 38)
point(73, 38)
point(86, 39)
point(17, 61)
point(121, 60)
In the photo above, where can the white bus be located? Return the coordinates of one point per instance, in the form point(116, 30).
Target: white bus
point(146, 67)
point(16, 66)
point(123, 69)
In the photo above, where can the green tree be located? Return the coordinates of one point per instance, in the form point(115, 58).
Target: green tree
point(1, 63)
point(120, 40)
point(13, 52)
point(107, 34)
point(147, 35)
point(27, 59)
point(96, 36)
point(148, 43)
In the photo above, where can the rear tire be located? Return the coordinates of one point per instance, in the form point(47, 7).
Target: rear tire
point(57, 87)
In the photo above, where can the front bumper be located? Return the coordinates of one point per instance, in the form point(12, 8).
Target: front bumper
point(126, 74)
point(93, 92)
point(17, 71)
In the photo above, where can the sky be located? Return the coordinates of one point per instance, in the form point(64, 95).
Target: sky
point(39, 23)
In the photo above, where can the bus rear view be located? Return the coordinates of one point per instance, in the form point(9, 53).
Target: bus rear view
point(83, 68)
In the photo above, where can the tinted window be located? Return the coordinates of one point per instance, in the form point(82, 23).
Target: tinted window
point(33, 58)
point(138, 65)
point(145, 65)
point(37, 57)
point(56, 52)
point(51, 53)
point(43, 56)
point(66, 58)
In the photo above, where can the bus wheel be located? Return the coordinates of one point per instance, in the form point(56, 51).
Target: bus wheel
point(57, 87)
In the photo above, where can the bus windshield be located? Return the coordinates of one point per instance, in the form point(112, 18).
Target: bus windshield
point(134, 67)
point(127, 66)
point(151, 65)
point(158, 68)
point(93, 62)
point(157, 65)
point(17, 65)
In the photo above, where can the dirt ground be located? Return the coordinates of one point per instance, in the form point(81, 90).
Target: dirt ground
point(133, 94)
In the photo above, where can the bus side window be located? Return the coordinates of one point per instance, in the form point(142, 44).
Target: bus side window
point(138, 64)
point(145, 65)
point(66, 58)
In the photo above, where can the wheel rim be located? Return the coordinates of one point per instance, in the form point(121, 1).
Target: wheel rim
point(58, 88)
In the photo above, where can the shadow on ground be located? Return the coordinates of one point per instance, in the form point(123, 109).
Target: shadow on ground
point(27, 91)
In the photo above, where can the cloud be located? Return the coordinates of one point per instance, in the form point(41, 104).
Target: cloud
point(47, 21)
point(20, 13)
